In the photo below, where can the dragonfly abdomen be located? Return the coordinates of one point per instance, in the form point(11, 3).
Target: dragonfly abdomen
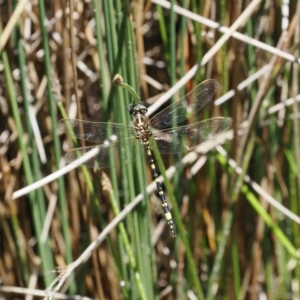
point(161, 193)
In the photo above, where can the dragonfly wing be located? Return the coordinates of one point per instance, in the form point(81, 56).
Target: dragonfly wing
point(109, 155)
point(95, 132)
point(182, 138)
point(189, 105)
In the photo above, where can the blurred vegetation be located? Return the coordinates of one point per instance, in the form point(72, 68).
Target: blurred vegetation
point(238, 203)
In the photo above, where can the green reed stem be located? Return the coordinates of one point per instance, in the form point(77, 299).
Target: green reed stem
point(126, 241)
point(47, 262)
point(178, 222)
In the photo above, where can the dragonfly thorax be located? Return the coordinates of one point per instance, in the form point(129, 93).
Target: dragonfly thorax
point(140, 122)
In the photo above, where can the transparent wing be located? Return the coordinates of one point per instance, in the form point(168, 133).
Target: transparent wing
point(109, 155)
point(96, 132)
point(190, 104)
point(179, 139)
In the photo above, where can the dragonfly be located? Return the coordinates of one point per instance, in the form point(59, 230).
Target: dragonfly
point(126, 143)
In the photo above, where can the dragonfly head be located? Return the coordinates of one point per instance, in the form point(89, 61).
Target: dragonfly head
point(134, 108)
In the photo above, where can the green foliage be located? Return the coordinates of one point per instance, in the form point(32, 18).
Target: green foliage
point(104, 236)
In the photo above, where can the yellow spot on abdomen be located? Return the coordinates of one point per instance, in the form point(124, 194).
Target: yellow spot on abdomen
point(168, 216)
